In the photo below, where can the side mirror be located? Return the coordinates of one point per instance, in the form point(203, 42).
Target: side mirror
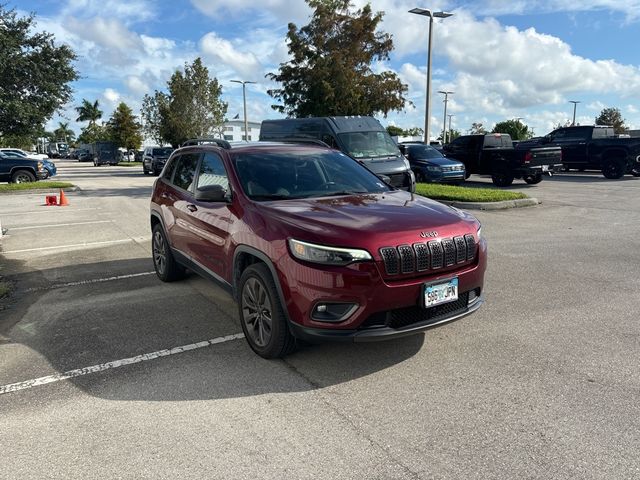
point(384, 178)
point(211, 193)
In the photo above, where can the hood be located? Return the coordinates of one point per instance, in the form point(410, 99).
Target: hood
point(440, 162)
point(369, 220)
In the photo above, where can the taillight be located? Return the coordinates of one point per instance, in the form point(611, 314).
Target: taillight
point(528, 157)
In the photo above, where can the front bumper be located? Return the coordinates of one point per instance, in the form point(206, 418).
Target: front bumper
point(386, 307)
point(381, 333)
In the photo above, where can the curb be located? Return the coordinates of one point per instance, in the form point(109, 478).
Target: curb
point(521, 202)
point(40, 191)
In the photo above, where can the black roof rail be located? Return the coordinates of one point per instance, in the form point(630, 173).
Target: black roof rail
point(207, 141)
point(313, 141)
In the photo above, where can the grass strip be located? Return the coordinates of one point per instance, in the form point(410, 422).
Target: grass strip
point(466, 194)
point(15, 187)
point(130, 164)
point(5, 288)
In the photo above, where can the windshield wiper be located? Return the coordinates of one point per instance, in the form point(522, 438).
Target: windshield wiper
point(338, 193)
point(272, 196)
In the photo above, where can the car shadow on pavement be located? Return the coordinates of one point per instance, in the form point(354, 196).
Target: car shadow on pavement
point(587, 178)
point(92, 323)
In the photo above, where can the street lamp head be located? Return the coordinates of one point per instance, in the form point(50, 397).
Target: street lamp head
point(575, 101)
point(442, 14)
point(445, 93)
point(421, 11)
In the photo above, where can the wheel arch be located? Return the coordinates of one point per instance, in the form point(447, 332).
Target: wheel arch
point(244, 256)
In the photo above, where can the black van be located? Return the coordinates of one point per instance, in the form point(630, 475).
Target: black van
point(362, 138)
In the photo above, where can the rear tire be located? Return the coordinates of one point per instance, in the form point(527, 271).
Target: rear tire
point(533, 179)
point(23, 176)
point(502, 179)
point(261, 314)
point(144, 170)
point(167, 269)
point(613, 168)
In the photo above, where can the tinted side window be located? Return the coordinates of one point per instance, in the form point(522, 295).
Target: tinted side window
point(185, 170)
point(212, 171)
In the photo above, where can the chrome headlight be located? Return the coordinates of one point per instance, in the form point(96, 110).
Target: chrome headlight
point(327, 255)
point(480, 232)
point(434, 169)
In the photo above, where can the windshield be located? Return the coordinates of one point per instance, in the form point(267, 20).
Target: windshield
point(303, 174)
point(369, 144)
point(424, 152)
point(162, 152)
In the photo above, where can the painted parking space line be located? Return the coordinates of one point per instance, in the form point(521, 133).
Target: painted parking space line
point(53, 225)
point(49, 211)
point(88, 282)
point(71, 246)
point(145, 357)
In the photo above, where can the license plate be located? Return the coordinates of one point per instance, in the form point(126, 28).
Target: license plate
point(545, 168)
point(439, 293)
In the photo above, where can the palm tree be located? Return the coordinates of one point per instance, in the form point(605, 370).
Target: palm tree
point(89, 111)
point(63, 131)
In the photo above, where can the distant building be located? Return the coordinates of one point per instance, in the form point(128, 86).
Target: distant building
point(233, 131)
point(634, 133)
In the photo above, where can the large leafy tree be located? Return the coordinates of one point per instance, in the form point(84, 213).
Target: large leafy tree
point(88, 111)
point(94, 133)
point(515, 128)
point(330, 68)
point(612, 117)
point(35, 76)
point(124, 128)
point(191, 108)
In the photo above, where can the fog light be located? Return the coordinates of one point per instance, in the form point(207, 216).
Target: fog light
point(333, 312)
point(473, 296)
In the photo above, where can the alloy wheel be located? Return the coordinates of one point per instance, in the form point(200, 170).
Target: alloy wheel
point(159, 252)
point(257, 312)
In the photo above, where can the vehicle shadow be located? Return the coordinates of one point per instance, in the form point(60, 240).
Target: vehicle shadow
point(91, 323)
point(587, 178)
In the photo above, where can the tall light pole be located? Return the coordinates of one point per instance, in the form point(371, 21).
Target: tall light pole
point(244, 102)
point(444, 123)
point(431, 15)
point(450, 115)
point(575, 103)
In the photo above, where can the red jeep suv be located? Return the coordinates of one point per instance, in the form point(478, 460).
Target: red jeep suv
point(312, 245)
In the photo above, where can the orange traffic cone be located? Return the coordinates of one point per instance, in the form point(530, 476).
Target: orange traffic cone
point(63, 199)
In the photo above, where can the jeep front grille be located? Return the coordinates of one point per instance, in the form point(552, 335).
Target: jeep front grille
point(431, 255)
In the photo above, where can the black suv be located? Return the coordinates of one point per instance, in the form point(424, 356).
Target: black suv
point(154, 158)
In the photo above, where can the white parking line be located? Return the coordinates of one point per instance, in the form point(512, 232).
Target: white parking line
point(74, 245)
point(35, 382)
point(52, 225)
point(87, 282)
point(50, 210)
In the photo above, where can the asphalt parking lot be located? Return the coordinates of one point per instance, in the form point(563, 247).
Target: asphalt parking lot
point(542, 382)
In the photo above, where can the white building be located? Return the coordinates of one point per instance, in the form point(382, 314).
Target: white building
point(234, 131)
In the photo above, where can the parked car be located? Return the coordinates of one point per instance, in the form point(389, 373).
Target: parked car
point(313, 245)
point(594, 147)
point(362, 138)
point(49, 167)
point(429, 165)
point(16, 169)
point(493, 154)
point(24, 153)
point(138, 155)
point(154, 158)
point(84, 155)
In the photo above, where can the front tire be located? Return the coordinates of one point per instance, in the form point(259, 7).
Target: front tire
point(533, 179)
point(261, 314)
point(23, 176)
point(613, 169)
point(167, 269)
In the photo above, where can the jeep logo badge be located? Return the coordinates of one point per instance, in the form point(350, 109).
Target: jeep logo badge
point(428, 234)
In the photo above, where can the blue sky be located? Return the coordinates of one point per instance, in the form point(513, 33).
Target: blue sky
point(503, 59)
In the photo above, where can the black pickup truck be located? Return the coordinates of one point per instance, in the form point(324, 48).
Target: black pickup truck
point(594, 147)
point(495, 155)
point(15, 169)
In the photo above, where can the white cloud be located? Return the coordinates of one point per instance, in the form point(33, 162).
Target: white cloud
point(128, 11)
point(222, 50)
point(111, 96)
point(596, 106)
point(630, 8)
point(106, 33)
point(282, 10)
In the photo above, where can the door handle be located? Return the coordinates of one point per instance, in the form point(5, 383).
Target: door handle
point(191, 207)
